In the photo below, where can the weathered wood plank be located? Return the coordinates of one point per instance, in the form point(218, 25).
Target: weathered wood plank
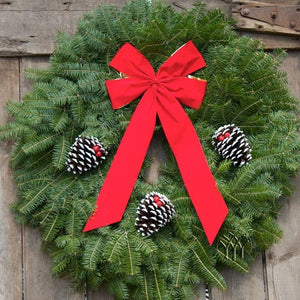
point(10, 231)
point(283, 259)
point(273, 36)
point(33, 33)
point(20, 36)
point(250, 23)
point(58, 5)
point(242, 286)
point(291, 66)
point(31, 27)
point(270, 2)
point(210, 4)
point(38, 282)
point(271, 41)
point(46, 5)
point(99, 294)
point(280, 2)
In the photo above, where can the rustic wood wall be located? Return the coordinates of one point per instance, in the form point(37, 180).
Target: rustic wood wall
point(27, 31)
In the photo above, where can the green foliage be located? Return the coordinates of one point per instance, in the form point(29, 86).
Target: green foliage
point(70, 98)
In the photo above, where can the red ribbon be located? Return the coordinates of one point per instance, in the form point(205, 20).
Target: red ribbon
point(162, 93)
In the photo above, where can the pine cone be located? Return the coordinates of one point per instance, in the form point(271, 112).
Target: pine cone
point(85, 154)
point(154, 212)
point(231, 143)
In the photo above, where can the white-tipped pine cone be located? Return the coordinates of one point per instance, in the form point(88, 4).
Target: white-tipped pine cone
point(85, 154)
point(154, 212)
point(231, 143)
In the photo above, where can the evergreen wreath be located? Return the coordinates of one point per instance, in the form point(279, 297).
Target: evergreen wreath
point(69, 99)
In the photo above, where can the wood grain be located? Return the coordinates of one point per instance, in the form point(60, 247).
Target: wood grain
point(21, 36)
point(100, 294)
point(38, 282)
point(10, 231)
point(291, 66)
point(280, 2)
point(24, 37)
point(273, 36)
point(272, 42)
point(31, 26)
point(270, 2)
point(248, 286)
point(247, 24)
point(46, 5)
point(54, 5)
point(283, 259)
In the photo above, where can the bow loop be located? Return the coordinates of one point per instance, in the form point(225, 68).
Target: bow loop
point(138, 71)
point(185, 61)
point(132, 63)
point(188, 91)
point(124, 90)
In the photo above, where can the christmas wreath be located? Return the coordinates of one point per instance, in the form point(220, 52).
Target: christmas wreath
point(67, 134)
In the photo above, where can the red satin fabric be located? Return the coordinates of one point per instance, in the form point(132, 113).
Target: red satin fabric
point(162, 94)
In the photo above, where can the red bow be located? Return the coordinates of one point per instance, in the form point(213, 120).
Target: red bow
point(162, 93)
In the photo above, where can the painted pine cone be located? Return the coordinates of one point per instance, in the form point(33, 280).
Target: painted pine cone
point(85, 154)
point(231, 143)
point(154, 212)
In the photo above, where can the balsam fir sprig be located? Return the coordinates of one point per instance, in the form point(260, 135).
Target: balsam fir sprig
point(70, 99)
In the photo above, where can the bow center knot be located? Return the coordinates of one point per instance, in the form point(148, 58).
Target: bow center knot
point(155, 81)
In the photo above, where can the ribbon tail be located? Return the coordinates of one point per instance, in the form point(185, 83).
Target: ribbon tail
point(196, 175)
point(126, 165)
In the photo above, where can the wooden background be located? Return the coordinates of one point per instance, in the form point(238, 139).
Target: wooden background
point(27, 38)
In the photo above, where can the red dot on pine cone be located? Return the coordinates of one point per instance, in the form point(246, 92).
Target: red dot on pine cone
point(227, 134)
point(159, 203)
point(221, 137)
point(156, 199)
point(98, 154)
point(96, 148)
